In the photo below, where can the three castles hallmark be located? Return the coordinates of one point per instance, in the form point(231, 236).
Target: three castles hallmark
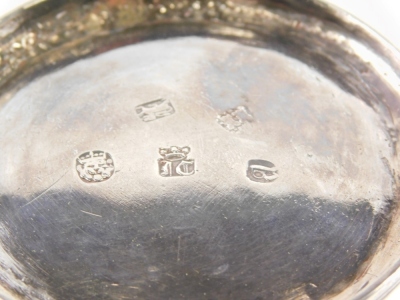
point(98, 166)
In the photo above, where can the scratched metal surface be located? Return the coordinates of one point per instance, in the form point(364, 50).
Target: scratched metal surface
point(196, 150)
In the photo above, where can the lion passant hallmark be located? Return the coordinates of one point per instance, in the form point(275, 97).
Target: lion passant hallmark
point(154, 110)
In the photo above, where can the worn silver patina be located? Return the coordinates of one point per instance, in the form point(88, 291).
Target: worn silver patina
point(196, 150)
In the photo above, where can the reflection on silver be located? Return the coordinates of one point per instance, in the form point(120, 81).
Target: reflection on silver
point(332, 133)
point(262, 171)
point(95, 166)
point(174, 162)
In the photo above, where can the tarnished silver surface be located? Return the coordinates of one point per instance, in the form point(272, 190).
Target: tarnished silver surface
point(196, 150)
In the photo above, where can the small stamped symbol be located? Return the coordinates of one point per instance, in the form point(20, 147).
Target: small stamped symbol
point(233, 119)
point(175, 162)
point(154, 110)
point(95, 166)
point(262, 171)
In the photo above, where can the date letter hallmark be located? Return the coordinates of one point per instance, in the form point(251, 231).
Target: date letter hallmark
point(154, 110)
point(262, 171)
point(233, 119)
point(95, 166)
point(175, 162)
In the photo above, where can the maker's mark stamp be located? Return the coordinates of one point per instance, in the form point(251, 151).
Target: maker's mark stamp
point(175, 162)
point(154, 110)
point(262, 171)
point(95, 166)
point(233, 119)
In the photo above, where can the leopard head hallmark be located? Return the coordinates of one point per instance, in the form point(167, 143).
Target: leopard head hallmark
point(175, 162)
point(95, 166)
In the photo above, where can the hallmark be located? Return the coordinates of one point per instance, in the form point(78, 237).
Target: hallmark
point(154, 110)
point(233, 119)
point(175, 162)
point(262, 171)
point(95, 166)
